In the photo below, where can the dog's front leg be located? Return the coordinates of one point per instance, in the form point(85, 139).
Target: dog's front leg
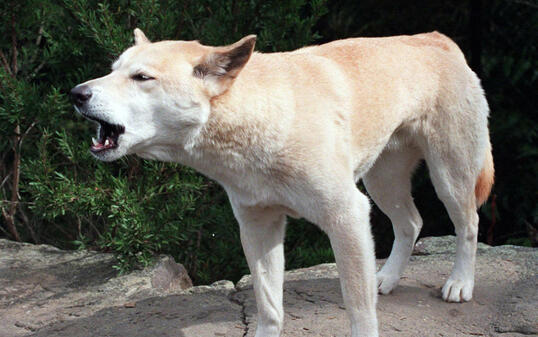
point(262, 237)
point(348, 228)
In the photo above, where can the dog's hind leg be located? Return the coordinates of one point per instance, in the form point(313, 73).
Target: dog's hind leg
point(262, 236)
point(458, 155)
point(389, 184)
point(456, 191)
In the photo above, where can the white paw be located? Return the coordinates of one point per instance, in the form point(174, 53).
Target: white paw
point(458, 290)
point(269, 330)
point(386, 282)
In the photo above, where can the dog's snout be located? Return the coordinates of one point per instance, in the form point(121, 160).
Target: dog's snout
point(81, 94)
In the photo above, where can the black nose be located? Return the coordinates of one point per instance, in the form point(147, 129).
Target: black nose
point(81, 94)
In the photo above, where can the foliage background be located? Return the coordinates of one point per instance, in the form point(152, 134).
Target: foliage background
point(53, 191)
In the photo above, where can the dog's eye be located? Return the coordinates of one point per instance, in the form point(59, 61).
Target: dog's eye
point(142, 77)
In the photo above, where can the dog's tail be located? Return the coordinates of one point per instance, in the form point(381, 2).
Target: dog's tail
point(485, 179)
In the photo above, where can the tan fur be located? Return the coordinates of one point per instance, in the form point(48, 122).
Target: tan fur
point(485, 180)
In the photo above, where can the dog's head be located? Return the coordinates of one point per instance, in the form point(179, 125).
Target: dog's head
point(158, 94)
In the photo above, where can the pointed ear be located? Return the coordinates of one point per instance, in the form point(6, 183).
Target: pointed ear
point(140, 37)
point(221, 66)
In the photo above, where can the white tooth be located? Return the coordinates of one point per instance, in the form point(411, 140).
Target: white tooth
point(94, 141)
point(107, 142)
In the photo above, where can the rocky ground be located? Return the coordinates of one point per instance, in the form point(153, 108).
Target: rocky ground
point(45, 291)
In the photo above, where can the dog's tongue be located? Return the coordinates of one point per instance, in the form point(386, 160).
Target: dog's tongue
point(97, 147)
point(101, 145)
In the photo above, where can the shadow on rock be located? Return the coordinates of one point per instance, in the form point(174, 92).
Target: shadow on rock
point(177, 315)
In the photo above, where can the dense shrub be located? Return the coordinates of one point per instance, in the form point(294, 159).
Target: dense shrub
point(52, 191)
point(132, 207)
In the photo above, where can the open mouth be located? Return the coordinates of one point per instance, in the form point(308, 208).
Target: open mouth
point(107, 138)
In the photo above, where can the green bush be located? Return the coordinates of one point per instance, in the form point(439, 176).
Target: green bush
point(134, 208)
point(53, 191)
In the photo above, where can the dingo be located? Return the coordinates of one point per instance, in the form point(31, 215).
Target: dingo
point(291, 133)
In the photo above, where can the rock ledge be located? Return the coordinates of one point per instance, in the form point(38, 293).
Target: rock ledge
point(45, 291)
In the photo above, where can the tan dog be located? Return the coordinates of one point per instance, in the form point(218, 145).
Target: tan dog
point(291, 134)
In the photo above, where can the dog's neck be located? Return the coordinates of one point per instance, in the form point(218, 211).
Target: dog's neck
point(230, 140)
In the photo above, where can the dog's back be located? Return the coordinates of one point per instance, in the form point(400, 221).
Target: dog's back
point(369, 92)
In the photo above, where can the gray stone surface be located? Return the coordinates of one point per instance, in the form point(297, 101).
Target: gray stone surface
point(48, 292)
point(40, 285)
